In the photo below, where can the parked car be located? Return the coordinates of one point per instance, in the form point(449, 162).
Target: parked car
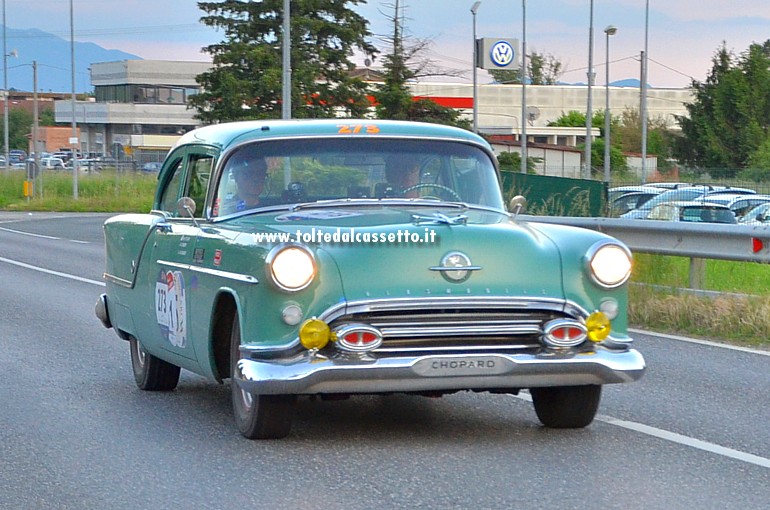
point(692, 212)
point(678, 194)
point(631, 200)
point(341, 257)
point(17, 156)
point(618, 191)
point(52, 163)
point(152, 166)
point(759, 215)
point(740, 204)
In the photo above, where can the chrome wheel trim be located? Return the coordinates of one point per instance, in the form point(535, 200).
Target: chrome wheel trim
point(141, 354)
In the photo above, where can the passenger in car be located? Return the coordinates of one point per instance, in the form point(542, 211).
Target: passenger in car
point(249, 175)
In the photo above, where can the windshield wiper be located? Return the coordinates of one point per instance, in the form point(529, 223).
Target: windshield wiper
point(364, 202)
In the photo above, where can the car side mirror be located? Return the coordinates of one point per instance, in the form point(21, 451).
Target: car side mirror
point(185, 208)
point(517, 205)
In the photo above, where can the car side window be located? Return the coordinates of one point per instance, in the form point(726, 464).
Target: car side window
point(171, 192)
point(200, 167)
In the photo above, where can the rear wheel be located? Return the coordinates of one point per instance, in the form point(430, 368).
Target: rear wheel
point(566, 407)
point(257, 416)
point(151, 373)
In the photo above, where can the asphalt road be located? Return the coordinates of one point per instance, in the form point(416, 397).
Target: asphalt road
point(75, 432)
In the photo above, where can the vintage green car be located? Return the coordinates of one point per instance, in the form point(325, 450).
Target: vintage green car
point(342, 257)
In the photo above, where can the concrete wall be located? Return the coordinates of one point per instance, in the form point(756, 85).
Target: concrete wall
point(500, 105)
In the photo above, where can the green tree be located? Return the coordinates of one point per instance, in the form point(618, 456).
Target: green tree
point(544, 69)
point(511, 162)
point(20, 126)
point(578, 119)
point(729, 118)
point(627, 134)
point(758, 166)
point(246, 80)
point(403, 64)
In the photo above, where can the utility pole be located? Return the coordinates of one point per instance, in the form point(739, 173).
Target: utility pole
point(286, 90)
point(524, 86)
point(74, 138)
point(35, 130)
point(643, 85)
point(589, 109)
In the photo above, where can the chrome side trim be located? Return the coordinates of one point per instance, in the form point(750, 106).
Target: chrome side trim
point(457, 268)
point(118, 281)
point(244, 278)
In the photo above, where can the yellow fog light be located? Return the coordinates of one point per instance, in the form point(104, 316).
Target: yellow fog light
point(314, 334)
point(598, 326)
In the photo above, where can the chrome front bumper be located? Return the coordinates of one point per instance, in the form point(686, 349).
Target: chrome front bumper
point(308, 375)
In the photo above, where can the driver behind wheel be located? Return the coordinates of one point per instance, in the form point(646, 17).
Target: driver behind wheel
point(403, 172)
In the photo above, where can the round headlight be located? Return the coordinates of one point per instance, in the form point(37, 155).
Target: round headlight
point(291, 267)
point(609, 264)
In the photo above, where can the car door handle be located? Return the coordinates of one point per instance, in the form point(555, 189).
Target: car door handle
point(164, 228)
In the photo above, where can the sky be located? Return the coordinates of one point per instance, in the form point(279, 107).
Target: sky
point(683, 35)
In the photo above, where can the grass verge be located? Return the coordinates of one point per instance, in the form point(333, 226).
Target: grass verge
point(107, 191)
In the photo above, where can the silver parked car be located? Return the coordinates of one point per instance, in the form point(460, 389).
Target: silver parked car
point(692, 212)
point(740, 204)
point(673, 195)
point(759, 215)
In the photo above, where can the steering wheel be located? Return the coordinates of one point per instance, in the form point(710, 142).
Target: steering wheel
point(445, 189)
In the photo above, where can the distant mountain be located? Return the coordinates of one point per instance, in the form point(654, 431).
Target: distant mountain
point(53, 56)
point(628, 82)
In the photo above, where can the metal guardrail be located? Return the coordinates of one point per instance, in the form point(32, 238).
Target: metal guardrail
point(696, 240)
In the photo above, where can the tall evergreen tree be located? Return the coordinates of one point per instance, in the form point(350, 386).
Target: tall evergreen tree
point(729, 118)
point(245, 81)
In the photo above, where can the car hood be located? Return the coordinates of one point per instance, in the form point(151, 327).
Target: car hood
point(392, 252)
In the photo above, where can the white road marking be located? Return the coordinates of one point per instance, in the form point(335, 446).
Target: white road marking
point(27, 233)
point(674, 437)
point(687, 441)
point(49, 271)
point(30, 234)
point(702, 342)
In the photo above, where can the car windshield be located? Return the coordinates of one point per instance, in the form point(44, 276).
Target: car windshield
point(295, 171)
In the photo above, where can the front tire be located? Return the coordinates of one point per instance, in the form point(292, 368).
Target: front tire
point(257, 416)
point(151, 373)
point(566, 407)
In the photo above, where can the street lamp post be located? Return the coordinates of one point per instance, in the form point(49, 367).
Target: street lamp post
point(610, 30)
point(475, 9)
point(5, 93)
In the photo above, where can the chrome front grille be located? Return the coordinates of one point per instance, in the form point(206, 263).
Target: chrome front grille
point(454, 329)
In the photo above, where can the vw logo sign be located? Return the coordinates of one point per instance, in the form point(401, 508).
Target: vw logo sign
point(501, 53)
